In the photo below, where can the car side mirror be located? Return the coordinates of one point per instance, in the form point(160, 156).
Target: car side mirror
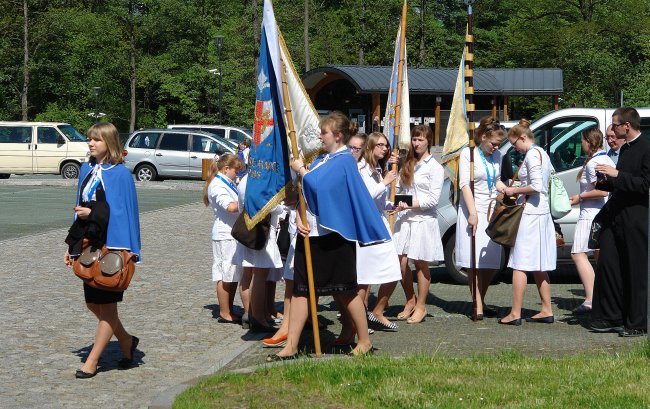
point(60, 140)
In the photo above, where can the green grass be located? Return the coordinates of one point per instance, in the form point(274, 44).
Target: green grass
point(505, 380)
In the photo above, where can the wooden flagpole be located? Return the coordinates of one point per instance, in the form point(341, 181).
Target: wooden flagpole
point(302, 208)
point(398, 108)
point(469, 93)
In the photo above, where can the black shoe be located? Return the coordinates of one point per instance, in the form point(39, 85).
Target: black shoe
point(479, 317)
point(278, 358)
point(222, 320)
point(516, 321)
point(125, 363)
point(544, 320)
point(489, 312)
point(84, 375)
point(245, 323)
point(603, 326)
point(632, 332)
point(258, 327)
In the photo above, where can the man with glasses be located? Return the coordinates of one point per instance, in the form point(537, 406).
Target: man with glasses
point(620, 289)
point(614, 144)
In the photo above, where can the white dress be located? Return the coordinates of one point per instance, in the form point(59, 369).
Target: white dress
point(589, 208)
point(417, 234)
point(488, 253)
point(376, 264)
point(269, 256)
point(535, 247)
point(220, 195)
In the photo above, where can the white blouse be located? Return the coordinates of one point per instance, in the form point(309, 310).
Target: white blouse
point(220, 196)
point(426, 187)
point(482, 193)
point(375, 185)
point(535, 172)
point(590, 207)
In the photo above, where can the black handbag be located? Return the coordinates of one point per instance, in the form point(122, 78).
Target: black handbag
point(596, 227)
point(255, 238)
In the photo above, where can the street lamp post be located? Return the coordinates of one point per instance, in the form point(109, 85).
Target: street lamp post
point(219, 42)
point(97, 90)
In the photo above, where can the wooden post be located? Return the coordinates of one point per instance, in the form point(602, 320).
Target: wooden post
point(205, 168)
point(556, 102)
point(376, 111)
point(469, 93)
point(494, 107)
point(436, 128)
point(505, 109)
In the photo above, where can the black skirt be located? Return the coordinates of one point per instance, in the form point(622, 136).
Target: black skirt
point(96, 296)
point(334, 262)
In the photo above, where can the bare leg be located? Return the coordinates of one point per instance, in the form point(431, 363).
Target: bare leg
point(544, 288)
point(354, 305)
point(407, 285)
point(270, 300)
point(424, 281)
point(284, 327)
point(231, 288)
point(245, 288)
point(484, 277)
point(519, 282)
point(348, 329)
point(367, 296)
point(586, 272)
point(109, 322)
point(297, 319)
point(223, 298)
point(383, 295)
point(363, 291)
point(258, 295)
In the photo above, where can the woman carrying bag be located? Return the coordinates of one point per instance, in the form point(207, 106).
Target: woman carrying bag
point(534, 250)
point(106, 214)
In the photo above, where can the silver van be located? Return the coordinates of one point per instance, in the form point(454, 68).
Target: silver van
point(155, 154)
point(560, 133)
point(237, 135)
point(41, 147)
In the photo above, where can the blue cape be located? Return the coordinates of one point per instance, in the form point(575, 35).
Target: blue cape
point(123, 204)
point(336, 194)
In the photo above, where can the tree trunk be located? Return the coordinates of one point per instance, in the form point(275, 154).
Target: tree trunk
point(23, 97)
point(256, 36)
point(423, 5)
point(133, 81)
point(306, 35)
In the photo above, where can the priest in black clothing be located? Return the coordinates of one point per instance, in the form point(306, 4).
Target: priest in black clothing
point(621, 286)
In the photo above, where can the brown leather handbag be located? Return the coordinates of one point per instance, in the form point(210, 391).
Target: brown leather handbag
point(104, 269)
point(503, 224)
point(255, 238)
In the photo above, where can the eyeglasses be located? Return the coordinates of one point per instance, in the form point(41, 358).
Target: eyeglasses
point(382, 145)
point(615, 125)
point(354, 148)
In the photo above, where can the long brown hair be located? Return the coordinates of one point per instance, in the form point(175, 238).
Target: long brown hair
point(107, 132)
point(228, 160)
point(594, 138)
point(369, 155)
point(407, 171)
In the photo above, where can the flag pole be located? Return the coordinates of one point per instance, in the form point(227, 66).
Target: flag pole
point(303, 214)
point(469, 92)
point(398, 106)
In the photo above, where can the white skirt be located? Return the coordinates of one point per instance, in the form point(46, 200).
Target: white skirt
point(378, 264)
point(581, 237)
point(535, 247)
point(268, 257)
point(222, 267)
point(419, 240)
point(275, 274)
point(488, 253)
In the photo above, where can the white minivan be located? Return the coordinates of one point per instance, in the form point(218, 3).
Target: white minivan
point(237, 135)
point(41, 147)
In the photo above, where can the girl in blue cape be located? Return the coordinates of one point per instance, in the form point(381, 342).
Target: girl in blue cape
point(340, 212)
point(106, 213)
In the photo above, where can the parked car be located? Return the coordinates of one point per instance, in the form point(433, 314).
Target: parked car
point(237, 135)
point(560, 134)
point(41, 147)
point(154, 154)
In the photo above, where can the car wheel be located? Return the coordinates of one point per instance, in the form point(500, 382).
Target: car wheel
point(146, 173)
point(5, 175)
point(70, 170)
point(454, 272)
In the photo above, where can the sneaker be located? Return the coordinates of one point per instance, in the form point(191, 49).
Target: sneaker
point(605, 326)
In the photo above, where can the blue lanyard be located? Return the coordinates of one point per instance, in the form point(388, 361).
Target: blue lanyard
point(229, 184)
point(490, 178)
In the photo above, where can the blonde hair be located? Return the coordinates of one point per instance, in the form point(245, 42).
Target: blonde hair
point(407, 171)
point(369, 155)
point(489, 127)
point(522, 128)
point(229, 160)
point(594, 138)
point(107, 132)
point(337, 122)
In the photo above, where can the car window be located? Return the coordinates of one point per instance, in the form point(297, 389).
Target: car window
point(46, 135)
point(174, 142)
point(205, 144)
point(220, 132)
point(562, 140)
point(72, 134)
point(645, 127)
point(15, 134)
point(237, 136)
point(145, 140)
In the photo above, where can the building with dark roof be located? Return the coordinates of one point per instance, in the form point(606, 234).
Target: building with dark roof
point(361, 91)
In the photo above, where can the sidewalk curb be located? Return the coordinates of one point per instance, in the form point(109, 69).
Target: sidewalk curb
point(166, 398)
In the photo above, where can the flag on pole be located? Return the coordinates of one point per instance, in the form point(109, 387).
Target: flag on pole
point(457, 132)
point(305, 118)
point(404, 137)
point(268, 172)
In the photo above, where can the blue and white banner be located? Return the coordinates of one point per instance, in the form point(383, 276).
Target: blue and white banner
point(268, 168)
point(403, 140)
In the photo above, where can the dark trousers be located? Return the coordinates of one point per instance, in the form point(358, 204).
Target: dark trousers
point(608, 286)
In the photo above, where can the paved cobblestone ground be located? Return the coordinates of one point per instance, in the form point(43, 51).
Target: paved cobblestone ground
point(46, 330)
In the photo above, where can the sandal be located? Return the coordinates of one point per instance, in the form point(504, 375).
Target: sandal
point(405, 314)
